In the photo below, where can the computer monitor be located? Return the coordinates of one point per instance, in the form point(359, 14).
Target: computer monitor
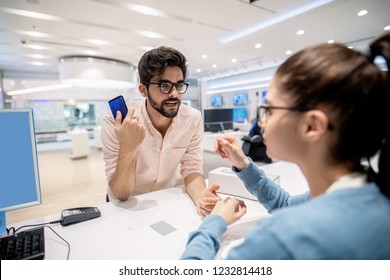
point(218, 119)
point(239, 115)
point(19, 175)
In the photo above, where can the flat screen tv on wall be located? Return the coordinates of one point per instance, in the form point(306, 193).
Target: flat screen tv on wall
point(216, 101)
point(240, 99)
point(239, 115)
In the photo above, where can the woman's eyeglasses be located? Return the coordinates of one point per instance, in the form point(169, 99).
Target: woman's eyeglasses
point(263, 112)
point(166, 87)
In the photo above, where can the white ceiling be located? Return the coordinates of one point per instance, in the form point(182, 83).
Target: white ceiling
point(195, 27)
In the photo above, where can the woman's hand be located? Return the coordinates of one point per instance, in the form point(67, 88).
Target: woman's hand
point(230, 209)
point(227, 147)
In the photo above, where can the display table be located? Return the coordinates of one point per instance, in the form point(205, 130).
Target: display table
point(124, 231)
point(97, 137)
point(80, 146)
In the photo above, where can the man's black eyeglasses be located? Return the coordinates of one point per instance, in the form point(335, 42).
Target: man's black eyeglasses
point(166, 87)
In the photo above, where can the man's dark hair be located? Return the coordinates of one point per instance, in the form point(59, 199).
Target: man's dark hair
point(154, 62)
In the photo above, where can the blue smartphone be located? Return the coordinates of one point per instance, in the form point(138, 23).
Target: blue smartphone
point(118, 104)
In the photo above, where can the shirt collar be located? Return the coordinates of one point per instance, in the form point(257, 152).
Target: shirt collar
point(349, 181)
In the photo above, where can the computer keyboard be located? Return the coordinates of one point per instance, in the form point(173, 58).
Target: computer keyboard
point(25, 245)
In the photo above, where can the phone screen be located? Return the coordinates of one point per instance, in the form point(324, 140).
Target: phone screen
point(118, 104)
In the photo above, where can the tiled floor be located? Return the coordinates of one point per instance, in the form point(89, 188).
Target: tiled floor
point(67, 183)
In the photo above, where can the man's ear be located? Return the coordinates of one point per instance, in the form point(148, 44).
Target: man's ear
point(142, 89)
point(315, 125)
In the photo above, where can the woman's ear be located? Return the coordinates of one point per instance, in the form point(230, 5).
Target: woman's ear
point(142, 89)
point(315, 125)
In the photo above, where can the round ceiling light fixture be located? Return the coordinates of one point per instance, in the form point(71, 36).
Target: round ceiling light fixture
point(96, 72)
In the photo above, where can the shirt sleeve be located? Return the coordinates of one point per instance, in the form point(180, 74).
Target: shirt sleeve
point(110, 146)
point(204, 243)
point(192, 161)
point(269, 194)
point(261, 243)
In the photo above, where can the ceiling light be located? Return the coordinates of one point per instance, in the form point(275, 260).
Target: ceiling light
point(350, 47)
point(380, 61)
point(214, 66)
point(38, 56)
point(96, 72)
point(234, 60)
point(37, 63)
point(289, 52)
point(362, 13)
point(204, 56)
point(93, 53)
point(34, 34)
point(150, 34)
point(146, 10)
point(38, 89)
point(36, 47)
point(258, 46)
point(330, 41)
point(198, 70)
point(275, 20)
point(145, 48)
point(301, 32)
point(387, 28)
point(25, 13)
point(98, 42)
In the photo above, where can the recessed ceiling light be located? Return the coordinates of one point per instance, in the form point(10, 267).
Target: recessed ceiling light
point(30, 14)
point(362, 13)
point(289, 52)
point(146, 10)
point(198, 70)
point(150, 34)
point(234, 60)
point(38, 89)
point(37, 63)
point(35, 47)
point(350, 47)
point(387, 28)
point(214, 66)
point(35, 34)
point(90, 52)
point(301, 32)
point(38, 56)
point(204, 56)
point(258, 46)
point(98, 42)
point(330, 41)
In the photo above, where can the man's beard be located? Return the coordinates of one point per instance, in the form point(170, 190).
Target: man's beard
point(160, 108)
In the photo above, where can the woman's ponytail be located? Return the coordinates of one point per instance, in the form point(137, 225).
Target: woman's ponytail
point(381, 47)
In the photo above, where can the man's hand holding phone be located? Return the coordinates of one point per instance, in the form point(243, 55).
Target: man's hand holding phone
point(130, 133)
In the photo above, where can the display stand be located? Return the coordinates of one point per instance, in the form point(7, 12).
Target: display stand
point(80, 146)
point(97, 137)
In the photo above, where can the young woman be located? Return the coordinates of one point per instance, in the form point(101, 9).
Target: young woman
point(327, 111)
